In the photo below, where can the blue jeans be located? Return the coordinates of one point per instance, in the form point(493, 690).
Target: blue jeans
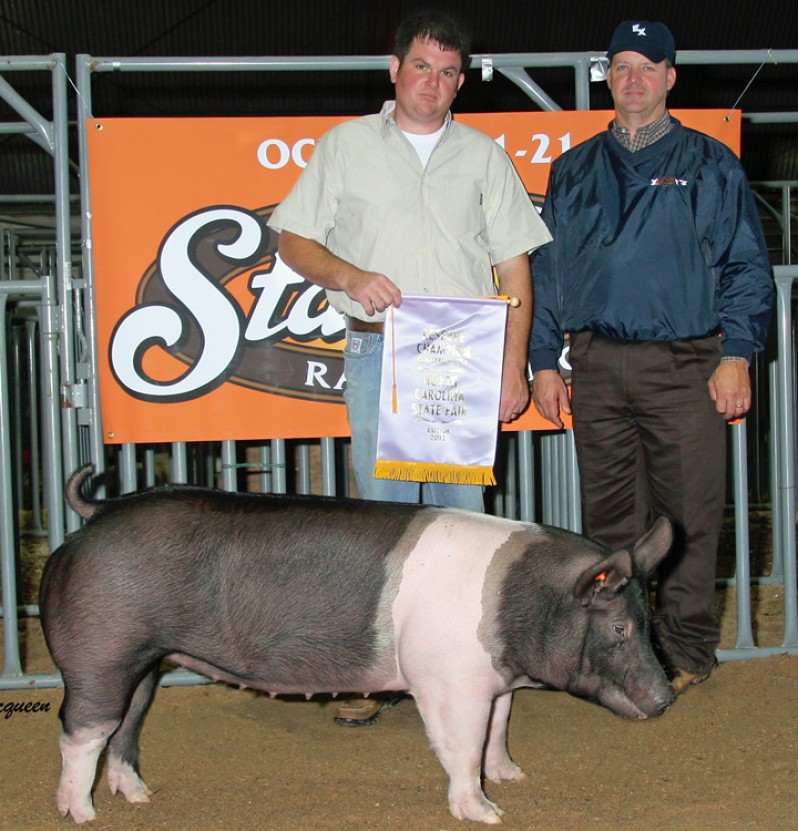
point(362, 368)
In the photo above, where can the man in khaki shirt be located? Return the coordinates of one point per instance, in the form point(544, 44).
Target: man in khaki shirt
point(409, 200)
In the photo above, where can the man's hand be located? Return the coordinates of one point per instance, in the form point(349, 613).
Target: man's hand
point(311, 260)
point(375, 292)
point(514, 395)
point(730, 389)
point(550, 395)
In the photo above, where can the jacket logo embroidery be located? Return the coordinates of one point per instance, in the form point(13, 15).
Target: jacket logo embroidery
point(664, 181)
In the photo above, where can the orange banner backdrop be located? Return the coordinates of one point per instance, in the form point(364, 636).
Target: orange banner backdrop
point(203, 333)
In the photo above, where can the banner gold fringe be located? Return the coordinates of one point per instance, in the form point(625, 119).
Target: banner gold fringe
point(431, 472)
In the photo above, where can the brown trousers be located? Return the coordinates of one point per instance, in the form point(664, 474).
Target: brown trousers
point(649, 442)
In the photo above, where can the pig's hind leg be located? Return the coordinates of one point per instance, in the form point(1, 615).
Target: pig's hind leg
point(457, 727)
point(123, 749)
point(80, 751)
point(94, 706)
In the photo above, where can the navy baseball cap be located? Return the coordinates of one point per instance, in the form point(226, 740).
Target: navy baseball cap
point(649, 38)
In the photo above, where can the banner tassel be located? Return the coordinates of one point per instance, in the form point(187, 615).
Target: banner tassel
point(402, 471)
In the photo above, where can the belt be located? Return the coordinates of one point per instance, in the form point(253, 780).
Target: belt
point(354, 324)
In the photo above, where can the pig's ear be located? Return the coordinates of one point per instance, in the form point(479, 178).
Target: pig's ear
point(651, 548)
point(609, 575)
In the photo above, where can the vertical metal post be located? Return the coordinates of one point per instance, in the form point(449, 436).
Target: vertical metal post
point(582, 82)
point(511, 477)
point(64, 454)
point(545, 486)
point(15, 376)
point(328, 468)
point(178, 464)
point(266, 468)
point(229, 466)
point(574, 494)
point(148, 459)
point(787, 460)
point(32, 330)
point(303, 468)
point(745, 635)
point(526, 475)
point(279, 478)
point(774, 457)
point(11, 660)
point(128, 478)
point(83, 73)
point(345, 453)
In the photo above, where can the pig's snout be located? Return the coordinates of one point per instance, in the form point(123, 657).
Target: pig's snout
point(653, 713)
point(650, 704)
point(662, 696)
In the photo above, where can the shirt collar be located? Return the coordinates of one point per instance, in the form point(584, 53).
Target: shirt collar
point(644, 136)
point(388, 122)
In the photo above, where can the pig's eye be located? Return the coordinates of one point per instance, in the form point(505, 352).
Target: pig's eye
point(619, 629)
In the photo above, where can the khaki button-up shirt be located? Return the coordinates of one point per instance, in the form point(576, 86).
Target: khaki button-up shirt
point(436, 230)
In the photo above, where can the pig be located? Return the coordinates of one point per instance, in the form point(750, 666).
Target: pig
point(295, 594)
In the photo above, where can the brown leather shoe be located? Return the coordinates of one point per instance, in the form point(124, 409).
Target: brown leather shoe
point(683, 679)
point(358, 712)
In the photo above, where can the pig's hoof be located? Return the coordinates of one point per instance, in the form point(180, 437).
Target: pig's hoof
point(122, 778)
point(80, 809)
point(507, 771)
point(478, 810)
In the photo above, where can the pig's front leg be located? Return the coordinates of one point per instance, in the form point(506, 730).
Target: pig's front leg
point(456, 727)
point(499, 767)
point(80, 752)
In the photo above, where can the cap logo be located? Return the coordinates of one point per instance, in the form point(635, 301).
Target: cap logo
point(648, 37)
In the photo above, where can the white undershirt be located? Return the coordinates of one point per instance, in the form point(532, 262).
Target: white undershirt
point(424, 144)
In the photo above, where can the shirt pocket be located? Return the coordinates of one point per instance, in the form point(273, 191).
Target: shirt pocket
point(462, 207)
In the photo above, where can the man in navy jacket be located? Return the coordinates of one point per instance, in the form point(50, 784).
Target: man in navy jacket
point(659, 273)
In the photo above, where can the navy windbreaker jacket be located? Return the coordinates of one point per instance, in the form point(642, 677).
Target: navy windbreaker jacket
point(661, 244)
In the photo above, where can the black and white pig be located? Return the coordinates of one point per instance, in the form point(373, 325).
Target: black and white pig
point(308, 594)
